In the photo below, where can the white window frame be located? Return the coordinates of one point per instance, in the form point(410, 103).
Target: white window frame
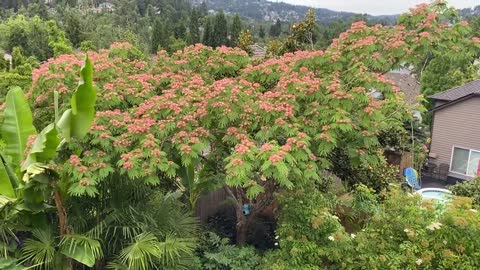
point(468, 161)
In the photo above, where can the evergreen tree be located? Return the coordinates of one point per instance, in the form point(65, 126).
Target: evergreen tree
point(276, 29)
point(72, 24)
point(220, 30)
point(126, 12)
point(203, 9)
point(261, 31)
point(236, 30)
point(180, 30)
point(194, 28)
point(208, 32)
point(160, 37)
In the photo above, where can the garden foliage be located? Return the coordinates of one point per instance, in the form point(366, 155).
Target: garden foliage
point(401, 232)
point(201, 118)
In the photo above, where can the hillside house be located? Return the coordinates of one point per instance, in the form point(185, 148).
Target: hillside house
point(455, 142)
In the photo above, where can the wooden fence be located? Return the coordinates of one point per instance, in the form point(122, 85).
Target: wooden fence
point(208, 204)
point(402, 160)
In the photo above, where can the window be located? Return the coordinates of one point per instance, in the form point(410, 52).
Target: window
point(465, 161)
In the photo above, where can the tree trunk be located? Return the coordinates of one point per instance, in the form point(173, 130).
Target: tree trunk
point(257, 206)
point(242, 227)
point(61, 212)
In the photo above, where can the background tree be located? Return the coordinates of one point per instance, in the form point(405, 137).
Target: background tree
point(73, 27)
point(440, 67)
point(194, 28)
point(261, 31)
point(276, 29)
point(208, 32)
point(220, 30)
point(303, 34)
point(203, 9)
point(36, 37)
point(160, 36)
point(180, 30)
point(245, 40)
point(236, 29)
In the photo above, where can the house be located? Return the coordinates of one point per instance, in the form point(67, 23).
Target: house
point(258, 51)
point(407, 84)
point(456, 132)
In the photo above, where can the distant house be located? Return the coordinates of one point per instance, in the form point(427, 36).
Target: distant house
point(455, 142)
point(407, 84)
point(258, 51)
point(106, 7)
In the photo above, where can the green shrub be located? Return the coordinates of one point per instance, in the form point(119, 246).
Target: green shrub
point(218, 254)
point(468, 189)
point(9, 79)
point(401, 232)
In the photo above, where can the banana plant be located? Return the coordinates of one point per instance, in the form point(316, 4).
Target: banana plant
point(21, 174)
point(16, 128)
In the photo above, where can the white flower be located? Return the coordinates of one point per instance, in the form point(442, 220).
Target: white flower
point(434, 226)
point(419, 261)
point(276, 237)
point(406, 230)
point(276, 244)
point(474, 211)
point(353, 235)
point(331, 238)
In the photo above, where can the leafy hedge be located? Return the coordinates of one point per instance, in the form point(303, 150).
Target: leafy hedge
point(401, 232)
point(468, 189)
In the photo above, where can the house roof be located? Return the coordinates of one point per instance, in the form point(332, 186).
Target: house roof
point(453, 102)
point(407, 84)
point(258, 51)
point(458, 92)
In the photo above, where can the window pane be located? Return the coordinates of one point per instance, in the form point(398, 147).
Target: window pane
point(460, 160)
point(473, 165)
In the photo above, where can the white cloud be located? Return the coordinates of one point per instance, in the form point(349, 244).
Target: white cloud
point(375, 7)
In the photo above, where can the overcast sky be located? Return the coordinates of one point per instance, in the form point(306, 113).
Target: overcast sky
point(375, 7)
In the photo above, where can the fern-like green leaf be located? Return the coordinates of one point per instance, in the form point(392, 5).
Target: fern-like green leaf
point(40, 250)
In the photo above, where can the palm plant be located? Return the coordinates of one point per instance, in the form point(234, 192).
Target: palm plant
point(138, 225)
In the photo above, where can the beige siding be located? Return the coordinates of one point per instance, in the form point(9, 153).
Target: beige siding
point(456, 125)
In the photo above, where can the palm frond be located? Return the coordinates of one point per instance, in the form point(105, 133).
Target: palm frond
point(40, 250)
point(140, 254)
point(174, 250)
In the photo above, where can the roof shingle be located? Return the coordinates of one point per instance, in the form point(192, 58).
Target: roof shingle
point(458, 92)
point(407, 84)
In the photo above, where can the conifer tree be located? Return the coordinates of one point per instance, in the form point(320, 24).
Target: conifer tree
point(208, 32)
point(194, 26)
point(276, 29)
point(261, 31)
point(160, 37)
point(236, 30)
point(220, 30)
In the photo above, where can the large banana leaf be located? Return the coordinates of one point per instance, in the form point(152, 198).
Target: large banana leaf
point(81, 248)
point(8, 180)
point(44, 148)
point(17, 125)
point(76, 121)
